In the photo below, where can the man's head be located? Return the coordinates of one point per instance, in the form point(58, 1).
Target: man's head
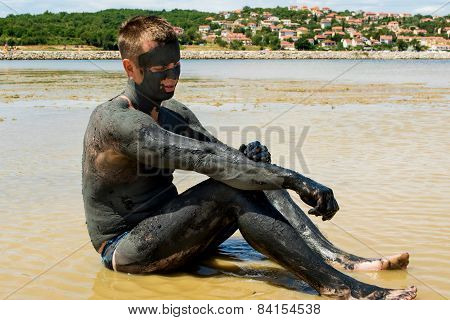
point(150, 55)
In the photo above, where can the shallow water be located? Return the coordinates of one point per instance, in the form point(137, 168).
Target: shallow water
point(386, 162)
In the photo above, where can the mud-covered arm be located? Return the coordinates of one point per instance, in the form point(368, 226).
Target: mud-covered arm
point(139, 137)
point(198, 132)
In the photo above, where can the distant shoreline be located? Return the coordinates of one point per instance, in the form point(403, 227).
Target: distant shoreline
point(224, 55)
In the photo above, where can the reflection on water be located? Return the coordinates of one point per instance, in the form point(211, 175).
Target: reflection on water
point(432, 72)
point(236, 271)
point(387, 164)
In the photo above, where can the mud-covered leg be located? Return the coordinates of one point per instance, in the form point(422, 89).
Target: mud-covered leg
point(182, 230)
point(198, 218)
point(190, 223)
point(270, 233)
point(317, 241)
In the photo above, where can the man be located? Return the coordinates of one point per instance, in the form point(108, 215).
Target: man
point(139, 223)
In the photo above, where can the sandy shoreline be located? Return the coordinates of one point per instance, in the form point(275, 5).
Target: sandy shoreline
point(113, 55)
point(85, 85)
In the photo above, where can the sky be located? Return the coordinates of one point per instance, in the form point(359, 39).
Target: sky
point(440, 7)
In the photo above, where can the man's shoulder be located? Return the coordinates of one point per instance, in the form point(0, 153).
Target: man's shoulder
point(178, 107)
point(174, 105)
point(111, 105)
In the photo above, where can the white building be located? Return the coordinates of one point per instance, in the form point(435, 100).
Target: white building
point(204, 28)
point(286, 22)
point(324, 23)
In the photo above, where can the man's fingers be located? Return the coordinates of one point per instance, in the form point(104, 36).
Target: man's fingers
point(332, 208)
point(314, 212)
point(336, 205)
point(256, 151)
point(309, 201)
point(260, 156)
point(253, 145)
point(253, 152)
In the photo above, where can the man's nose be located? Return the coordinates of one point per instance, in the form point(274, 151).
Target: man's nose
point(173, 73)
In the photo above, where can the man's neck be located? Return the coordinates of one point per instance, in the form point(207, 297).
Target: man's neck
point(155, 114)
point(141, 102)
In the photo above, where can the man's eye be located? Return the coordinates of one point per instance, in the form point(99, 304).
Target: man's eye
point(161, 69)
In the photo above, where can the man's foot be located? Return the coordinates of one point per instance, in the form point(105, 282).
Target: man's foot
point(369, 292)
point(343, 293)
point(388, 294)
point(395, 262)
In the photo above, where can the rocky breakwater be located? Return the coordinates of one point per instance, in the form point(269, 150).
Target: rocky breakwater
point(113, 55)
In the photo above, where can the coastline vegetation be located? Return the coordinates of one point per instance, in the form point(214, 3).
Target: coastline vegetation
point(99, 29)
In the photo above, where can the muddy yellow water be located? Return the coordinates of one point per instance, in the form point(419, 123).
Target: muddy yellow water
point(383, 148)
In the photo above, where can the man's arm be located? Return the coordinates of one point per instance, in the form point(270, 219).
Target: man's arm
point(254, 150)
point(139, 137)
point(196, 130)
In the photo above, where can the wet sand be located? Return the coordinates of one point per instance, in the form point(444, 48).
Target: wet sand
point(383, 148)
point(82, 85)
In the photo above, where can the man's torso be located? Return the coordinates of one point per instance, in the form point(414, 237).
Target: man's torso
point(119, 192)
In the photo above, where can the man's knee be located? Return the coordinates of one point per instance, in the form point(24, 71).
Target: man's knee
point(130, 252)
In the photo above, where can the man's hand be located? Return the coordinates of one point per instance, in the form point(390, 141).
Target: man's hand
point(323, 202)
point(256, 152)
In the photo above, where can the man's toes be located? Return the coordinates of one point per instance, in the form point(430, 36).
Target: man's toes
point(339, 293)
point(406, 294)
point(399, 261)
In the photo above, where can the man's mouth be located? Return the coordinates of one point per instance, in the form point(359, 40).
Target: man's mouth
point(169, 88)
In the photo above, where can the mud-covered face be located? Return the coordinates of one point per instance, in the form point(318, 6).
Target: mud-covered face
point(159, 64)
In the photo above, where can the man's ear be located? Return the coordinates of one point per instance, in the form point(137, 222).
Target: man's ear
point(130, 67)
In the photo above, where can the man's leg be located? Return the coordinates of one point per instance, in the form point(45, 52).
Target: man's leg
point(186, 226)
point(283, 202)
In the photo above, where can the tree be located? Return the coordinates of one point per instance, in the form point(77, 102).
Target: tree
point(303, 44)
point(239, 30)
point(91, 28)
point(402, 45)
point(340, 46)
point(222, 43)
point(214, 26)
point(416, 45)
point(236, 45)
point(246, 10)
point(274, 43)
point(257, 39)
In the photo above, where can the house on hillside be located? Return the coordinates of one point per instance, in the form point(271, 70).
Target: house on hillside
point(302, 30)
point(275, 28)
point(356, 22)
point(328, 43)
point(386, 39)
point(286, 22)
point(420, 32)
point(286, 33)
point(370, 16)
point(286, 45)
point(204, 28)
point(320, 37)
point(230, 36)
point(325, 23)
point(346, 43)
